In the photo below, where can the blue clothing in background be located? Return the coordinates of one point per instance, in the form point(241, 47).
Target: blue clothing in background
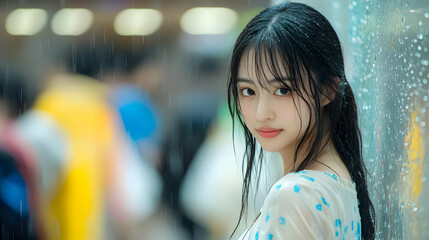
point(137, 112)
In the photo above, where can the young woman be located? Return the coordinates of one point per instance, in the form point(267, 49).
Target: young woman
point(289, 92)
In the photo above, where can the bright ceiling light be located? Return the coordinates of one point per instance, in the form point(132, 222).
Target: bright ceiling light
point(26, 21)
point(72, 21)
point(140, 22)
point(213, 20)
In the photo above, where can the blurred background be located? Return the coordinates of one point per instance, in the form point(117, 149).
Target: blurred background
point(114, 124)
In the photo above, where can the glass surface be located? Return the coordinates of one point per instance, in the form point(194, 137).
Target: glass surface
point(388, 69)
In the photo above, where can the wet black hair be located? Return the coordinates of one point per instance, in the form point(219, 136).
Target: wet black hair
point(310, 54)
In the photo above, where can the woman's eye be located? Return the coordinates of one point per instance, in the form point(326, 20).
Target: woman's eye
point(282, 91)
point(247, 92)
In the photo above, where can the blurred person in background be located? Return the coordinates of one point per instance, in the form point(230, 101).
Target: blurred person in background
point(74, 144)
point(136, 74)
point(133, 77)
point(18, 195)
point(93, 182)
point(196, 108)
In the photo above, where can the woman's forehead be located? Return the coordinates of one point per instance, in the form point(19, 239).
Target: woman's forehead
point(262, 64)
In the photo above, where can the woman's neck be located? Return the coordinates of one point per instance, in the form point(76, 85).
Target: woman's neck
point(327, 160)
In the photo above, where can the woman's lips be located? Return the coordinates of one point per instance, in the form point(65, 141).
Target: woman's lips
point(267, 132)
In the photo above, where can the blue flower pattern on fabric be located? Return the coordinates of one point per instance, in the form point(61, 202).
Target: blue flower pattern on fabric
point(308, 178)
point(345, 232)
point(338, 223)
point(333, 176)
point(337, 227)
point(358, 232)
point(282, 221)
point(324, 201)
point(341, 228)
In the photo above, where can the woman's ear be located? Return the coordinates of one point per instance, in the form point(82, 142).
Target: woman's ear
point(326, 99)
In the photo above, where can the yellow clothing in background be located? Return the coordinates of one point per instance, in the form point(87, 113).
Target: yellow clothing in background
point(74, 210)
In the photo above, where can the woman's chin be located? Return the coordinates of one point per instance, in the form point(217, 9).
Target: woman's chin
point(270, 149)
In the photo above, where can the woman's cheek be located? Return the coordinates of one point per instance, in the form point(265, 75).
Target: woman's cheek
point(305, 117)
point(244, 108)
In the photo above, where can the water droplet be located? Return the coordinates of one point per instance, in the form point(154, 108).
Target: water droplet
point(420, 23)
point(425, 62)
point(426, 15)
point(336, 5)
point(420, 36)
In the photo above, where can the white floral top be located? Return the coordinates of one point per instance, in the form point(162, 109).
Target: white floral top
point(308, 205)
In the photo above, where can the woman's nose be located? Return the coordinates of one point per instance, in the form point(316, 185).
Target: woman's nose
point(264, 110)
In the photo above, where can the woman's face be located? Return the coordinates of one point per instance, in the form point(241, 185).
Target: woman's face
point(276, 116)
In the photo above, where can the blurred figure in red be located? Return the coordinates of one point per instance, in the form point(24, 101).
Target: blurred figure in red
point(18, 195)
